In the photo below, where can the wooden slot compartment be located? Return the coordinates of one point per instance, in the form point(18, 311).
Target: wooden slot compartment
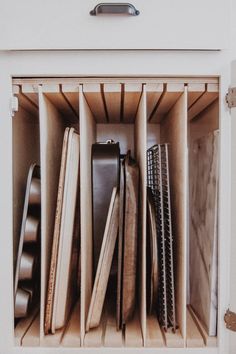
point(113, 102)
point(55, 117)
point(208, 96)
point(38, 129)
point(174, 128)
point(26, 151)
point(165, 100)
point(203, 141)
point(171, 129)
point(24, 325)
point(131, 136)
point(196, 333)
point(31, 337)
point(138, 116)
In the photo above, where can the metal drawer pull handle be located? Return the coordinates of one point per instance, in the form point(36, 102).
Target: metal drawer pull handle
point(114, 8)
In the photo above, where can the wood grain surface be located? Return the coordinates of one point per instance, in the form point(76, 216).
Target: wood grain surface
point(203, 229)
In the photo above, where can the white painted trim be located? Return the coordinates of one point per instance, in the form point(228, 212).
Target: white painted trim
point(98, 64)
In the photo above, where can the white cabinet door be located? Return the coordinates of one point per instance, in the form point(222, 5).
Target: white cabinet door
point(232, 335)
point(67, 24)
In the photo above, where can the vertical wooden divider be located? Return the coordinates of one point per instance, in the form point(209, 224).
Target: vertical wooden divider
point(140, 154)
point(25, 130)
point(52, 128)
point(87, 138)
point(174, 132)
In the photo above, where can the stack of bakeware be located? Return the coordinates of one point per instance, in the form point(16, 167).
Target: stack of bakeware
point(115, 179)
point(27, 264)
point(159, 182)
point(62, 279)
point(105, 176)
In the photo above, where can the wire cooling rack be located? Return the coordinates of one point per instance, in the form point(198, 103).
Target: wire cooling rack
point(159, 182)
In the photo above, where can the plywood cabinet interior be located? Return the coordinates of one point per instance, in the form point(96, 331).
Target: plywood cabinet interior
point(138, 113)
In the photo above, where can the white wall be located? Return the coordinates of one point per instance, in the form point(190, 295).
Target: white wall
point(233, 28)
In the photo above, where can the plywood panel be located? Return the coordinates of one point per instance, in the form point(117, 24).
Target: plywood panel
point(31, 338)
point(112, 93)
point(52, 340)
point(133, 332)
point(194, 337)
point(24, 101)
point(206, 122)
point(112, 337)
point(52, 128)
point(208, 341)
point(155, 338)
point(194, 92)
point(210, 95)
point(23, 326)
point(203, 230)
point(94, 338)
point(154, 92)
point(95, 100)
point(174, 340)
point(87, 138)
point(132, 94)
point(169, 97)
point(153, 134)
point(140, 155)
point(71, 93)
point(31, 91)
point(55, 95)
point(71, 337)
point(174, 132)
point(124, 133)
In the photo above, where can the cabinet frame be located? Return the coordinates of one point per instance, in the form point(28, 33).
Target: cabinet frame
point(57, 64)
